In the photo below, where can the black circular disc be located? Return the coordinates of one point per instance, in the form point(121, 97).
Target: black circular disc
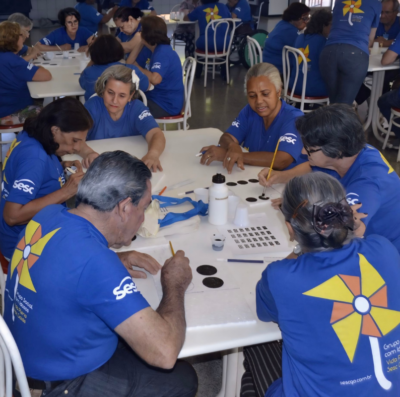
point(134, 238)
point(263, 197)
point(231, 184)
point(206, 270)
point(253, 180)
point(213, 282)
point(242, 182)
point(251, 199)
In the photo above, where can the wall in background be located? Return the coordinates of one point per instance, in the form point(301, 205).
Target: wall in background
point(49, 8)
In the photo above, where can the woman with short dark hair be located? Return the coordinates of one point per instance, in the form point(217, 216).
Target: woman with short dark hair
point(68, 35)
point(33, 176)
point(165, 70)
point(334, 140)
point(294, 19)
point(336, 301)
point(106, 51)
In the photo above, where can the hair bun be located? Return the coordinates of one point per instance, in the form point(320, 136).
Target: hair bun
point(332, 216)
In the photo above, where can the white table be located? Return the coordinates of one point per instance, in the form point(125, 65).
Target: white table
point(179, 163)
point(74, 59)
point(378, 71)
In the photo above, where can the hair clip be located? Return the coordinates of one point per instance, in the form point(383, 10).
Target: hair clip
point(301, 205)
point(135, 79)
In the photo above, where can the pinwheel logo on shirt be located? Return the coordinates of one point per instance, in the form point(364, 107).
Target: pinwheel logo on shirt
point(306, 53)
point(360, 307)
point(387, 163)
point(352, 7)
point(12, 147)
point(28, 251)
point(212, 13)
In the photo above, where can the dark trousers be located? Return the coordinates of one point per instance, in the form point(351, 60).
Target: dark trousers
point(156, 110)
point(188, 38)
point(387, 101)
point(126, 375)
point(343, 68)
point(263, 365)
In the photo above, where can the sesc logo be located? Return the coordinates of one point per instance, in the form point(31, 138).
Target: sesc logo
point(352, 198)
point(156, 65)
point(144, 114)
point(126, 286)
point(236, 123)
point(289, 138)
point(20, 185)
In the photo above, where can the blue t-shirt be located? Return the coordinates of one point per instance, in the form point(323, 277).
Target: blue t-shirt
point(29, 173)
point(249, 130)
point(242, 10)
point(372, 181)
point(89, 76)
point(333, 309)
point(23, 51)
point(392, 33)
point(311, 45)
point(395, 46)
point(169, 94)
point(142, 5)
point(283, 34)
point(64, 306)
point(60, 37)
point(15, 72)
point(204, 14)
point(135, 120)
point(354, 27)
point(90, 18)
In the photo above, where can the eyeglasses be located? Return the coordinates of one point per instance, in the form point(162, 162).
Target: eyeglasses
point(387, 12)
point(72, 23)
point(311, 151)
point(306, 19)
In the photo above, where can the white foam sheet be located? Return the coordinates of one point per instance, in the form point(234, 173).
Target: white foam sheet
point(205, 307)
point(156, 181)
point(259, 237)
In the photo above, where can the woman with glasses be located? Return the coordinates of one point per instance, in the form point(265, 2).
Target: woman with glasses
point(263, 124)
point(344, 60)
point(336, 301)
point(294, 20)
point(334, 141)
point(70, 34)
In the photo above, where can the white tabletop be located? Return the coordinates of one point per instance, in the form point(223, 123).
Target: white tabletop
point(65, 81)
point(376, 66)
point(179, 163)
point(74, 59)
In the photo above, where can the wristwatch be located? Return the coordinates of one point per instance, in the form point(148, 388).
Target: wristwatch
point(297, 250)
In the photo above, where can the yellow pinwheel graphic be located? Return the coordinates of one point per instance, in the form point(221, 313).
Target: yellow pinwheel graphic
point(14, 144)
point(360, 307)
point(352, 7)
point(306, 53)
point(212, 13)
point(28, 252)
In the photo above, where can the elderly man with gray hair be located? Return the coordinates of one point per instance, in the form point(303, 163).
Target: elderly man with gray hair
point(27, 53)
point(389, 23)
point(81, 325)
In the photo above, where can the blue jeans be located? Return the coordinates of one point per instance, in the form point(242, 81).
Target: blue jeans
point(343, 68)
point(387, 101)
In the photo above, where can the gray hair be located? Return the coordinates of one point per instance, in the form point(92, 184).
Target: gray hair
point(116, 72)
point(395, 4)
point(299, 197)
point(265, 69)
point(21, 19)
point(111, 178)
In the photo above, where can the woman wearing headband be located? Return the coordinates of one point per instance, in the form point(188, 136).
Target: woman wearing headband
point(117, 113)
point(336, 301)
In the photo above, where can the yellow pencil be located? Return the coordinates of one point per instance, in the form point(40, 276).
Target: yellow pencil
point(273, 159)
point(172, 248)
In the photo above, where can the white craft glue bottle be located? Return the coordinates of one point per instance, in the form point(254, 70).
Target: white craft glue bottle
point(218, 201)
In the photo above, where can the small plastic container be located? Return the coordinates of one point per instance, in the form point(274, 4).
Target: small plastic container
point(218, 242)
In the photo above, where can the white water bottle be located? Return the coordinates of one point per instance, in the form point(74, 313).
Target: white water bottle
point(218, 201)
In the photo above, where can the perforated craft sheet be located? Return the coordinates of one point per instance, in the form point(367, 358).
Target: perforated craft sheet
point(259, 237)
point(205, 307)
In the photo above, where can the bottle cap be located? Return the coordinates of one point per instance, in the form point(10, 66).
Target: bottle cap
point(218, 178)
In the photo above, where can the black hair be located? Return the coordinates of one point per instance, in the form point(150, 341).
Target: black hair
point(68, 12)
point(319, 19)
point(335, 128)
point(124, 13)
point(209, 1)
point(106, 49)
point(294, 12)
point(68, 114)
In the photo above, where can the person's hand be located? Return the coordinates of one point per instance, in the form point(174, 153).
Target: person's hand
point(71, 186)
point(33, 52)
point(212, 153)
point(75, 163)
point(152, 161)
point(176, 272)
point(275, 177)
point(359, 225)
point(83, 48)
point(233, 155)
point(276, 203)
point(139, 259)
point(89, 159)
point(65, 47)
